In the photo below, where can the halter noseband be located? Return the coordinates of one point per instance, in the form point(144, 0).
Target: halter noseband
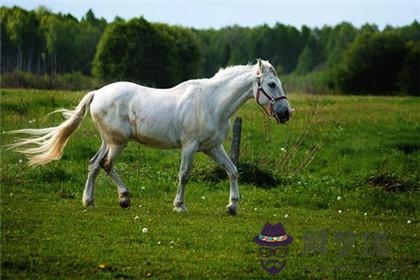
point(271, 100)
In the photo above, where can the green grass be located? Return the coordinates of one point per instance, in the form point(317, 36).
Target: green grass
point(366, 151)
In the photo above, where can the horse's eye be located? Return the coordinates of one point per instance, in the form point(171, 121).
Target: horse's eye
point(272, 84)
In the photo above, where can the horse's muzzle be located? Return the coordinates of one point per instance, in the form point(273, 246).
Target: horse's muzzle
point(283, 116)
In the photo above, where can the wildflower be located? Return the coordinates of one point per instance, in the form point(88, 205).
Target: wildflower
point(102, 265)
point(365, 214)
point(339, 197)
point(255, 209)
point(408, 221)
point(136, 217)
point(143, 188)
point(339, 211)
point(145, 230)
point(158, 243)
point(172, 242)
point(274, 215)
point(203, 197)
point(283, 149)
point(286, 215)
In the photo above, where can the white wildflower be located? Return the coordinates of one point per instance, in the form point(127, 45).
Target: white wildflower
point(339, 211)
point(339, 197)
point(145, 230)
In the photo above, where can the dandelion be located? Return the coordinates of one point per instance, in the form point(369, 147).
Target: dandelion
point(339, 197)
point(145, 230)
point(286, 215)
point(136, 217)
point(408, 221)
point(339, 211)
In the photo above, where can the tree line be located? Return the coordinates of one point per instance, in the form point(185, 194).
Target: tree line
point(343, 58)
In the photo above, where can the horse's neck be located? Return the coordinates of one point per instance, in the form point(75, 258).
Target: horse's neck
point(235, 92)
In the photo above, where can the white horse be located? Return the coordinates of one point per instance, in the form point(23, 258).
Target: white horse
point(193, 116)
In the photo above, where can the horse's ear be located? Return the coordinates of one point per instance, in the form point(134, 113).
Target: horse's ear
point(260, 65)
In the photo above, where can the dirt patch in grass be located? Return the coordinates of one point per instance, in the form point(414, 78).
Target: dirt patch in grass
point(391, 183)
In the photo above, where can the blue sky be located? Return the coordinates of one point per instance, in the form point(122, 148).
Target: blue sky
point(216, 13)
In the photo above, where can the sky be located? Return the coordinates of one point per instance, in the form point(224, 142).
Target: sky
point(217, 14)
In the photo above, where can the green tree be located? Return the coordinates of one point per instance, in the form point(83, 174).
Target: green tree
point(187, 51)
point(372, 63)
point(409, 77)
point(135, 50)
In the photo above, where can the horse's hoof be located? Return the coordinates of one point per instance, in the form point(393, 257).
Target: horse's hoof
point(89, 203)
point(125, 202)
point(231, 210)
point(181, 209)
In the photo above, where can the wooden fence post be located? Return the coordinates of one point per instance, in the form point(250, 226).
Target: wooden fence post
point(236, 141)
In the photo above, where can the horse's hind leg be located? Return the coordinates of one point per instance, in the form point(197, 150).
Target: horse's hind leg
point(94, 167)
point(108, 165)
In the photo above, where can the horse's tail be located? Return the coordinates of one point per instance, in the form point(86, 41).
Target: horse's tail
point(49, 142)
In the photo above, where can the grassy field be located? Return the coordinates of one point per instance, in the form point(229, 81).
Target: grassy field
point(343, 174)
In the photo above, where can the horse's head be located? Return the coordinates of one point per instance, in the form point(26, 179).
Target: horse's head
point(270, 94)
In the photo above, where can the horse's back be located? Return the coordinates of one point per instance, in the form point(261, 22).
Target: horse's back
point(150, 116)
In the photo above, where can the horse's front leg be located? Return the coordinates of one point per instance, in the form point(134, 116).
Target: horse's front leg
point(219, 155)
point(187, 157)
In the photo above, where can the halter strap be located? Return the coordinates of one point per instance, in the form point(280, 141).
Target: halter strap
point(271, 100)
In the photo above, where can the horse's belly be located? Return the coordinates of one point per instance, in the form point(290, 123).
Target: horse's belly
point(156, 134)
point(155, 142)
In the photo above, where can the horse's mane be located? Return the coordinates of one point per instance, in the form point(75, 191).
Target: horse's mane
point(232, 70)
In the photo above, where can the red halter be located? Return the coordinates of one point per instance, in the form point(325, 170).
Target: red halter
point(271, 100)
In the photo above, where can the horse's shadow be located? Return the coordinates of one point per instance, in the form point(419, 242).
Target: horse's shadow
point(248, 174)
